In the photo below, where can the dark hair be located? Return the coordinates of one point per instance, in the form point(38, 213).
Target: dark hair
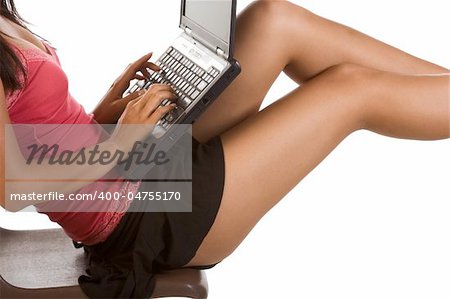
point(10, 65)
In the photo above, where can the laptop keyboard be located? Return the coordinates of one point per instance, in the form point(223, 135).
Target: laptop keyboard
point(187, 79)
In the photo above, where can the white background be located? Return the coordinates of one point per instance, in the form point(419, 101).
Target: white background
point(372, 221)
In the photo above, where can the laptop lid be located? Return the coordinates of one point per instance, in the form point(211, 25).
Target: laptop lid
point(211, 22)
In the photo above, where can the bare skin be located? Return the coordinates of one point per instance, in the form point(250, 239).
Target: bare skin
point(369, 85)
point(142, 107)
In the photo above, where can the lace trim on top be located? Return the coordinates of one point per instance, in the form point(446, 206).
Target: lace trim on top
point(32, 54)
point(111, 219)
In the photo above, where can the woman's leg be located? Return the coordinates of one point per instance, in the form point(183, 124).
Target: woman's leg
point(270, 153)
point(276, 36)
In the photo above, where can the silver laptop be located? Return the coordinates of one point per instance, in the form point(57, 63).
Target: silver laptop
point(199, 64)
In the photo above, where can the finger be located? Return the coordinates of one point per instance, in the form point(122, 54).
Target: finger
point(139, 77)
point(160, 112)
point(150, 93)
point(133, 96)
point(144, 71)
point(132, 99)
point(123, 81)
point(153, 90)
point(131, 104)
point(158, 86)
point(141, 61)
point(152, 66)
point(136, 66)
point(153, 103)
point(148, 68)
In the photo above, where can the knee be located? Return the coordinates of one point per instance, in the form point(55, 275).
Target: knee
point(277, 16)
point(354, 86)
point(347, 70)
point(356, 77)
point(277, 8)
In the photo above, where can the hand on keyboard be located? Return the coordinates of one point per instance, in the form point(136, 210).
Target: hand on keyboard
point(114, 102)
point(188, 80)
point(146, 110)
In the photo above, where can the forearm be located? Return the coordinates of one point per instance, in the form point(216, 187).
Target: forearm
point(108, 111)
point(42, 177)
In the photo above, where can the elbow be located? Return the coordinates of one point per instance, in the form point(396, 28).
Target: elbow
point(3, 198)
point(13, 207)
point(8, 202)
point(7, 205)
point(9, 208)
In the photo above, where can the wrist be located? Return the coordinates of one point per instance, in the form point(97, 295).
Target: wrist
point(123, 140)
point(106, 113)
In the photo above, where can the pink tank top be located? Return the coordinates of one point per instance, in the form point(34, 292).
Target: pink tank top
point(45, 99)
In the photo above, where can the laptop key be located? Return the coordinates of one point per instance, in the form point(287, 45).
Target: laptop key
point(187, 79)
point(195, 94)
point(169, 117)
point(176, 80)
point(174, 114)
point(159, 131)
point(134, 88)
point(184, 102)
point(198, 81)
point(202, 85)
point(191, 77)
point(166, 125)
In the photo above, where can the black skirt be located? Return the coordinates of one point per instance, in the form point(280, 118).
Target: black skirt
point(145, 243)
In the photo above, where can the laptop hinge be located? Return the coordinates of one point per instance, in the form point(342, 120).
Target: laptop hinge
point(188, 30)
point(220, 53)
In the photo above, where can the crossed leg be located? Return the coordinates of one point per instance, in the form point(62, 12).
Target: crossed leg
point(277, 147)
point(276, 36)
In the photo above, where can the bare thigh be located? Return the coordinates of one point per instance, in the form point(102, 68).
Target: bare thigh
point(261, 63)
point(269, 153)
point(277, 36)
point(289, 138)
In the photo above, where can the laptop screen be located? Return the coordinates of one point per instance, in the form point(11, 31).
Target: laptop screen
point(211, 22)
point(213, 15)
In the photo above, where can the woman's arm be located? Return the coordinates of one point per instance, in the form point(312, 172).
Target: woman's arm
point(113, 103)
point(14, 165)
point(143, 110)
